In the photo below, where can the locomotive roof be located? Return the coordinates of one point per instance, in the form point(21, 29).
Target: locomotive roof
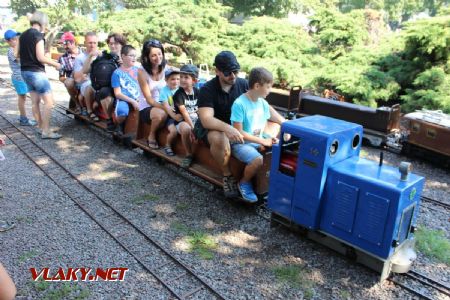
point(431, 116)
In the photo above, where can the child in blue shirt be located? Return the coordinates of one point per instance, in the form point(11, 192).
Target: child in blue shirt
point(125, 84)
point(249, 114)
point(166, 99)
point(11, 37)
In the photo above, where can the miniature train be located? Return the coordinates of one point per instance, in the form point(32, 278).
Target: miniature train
point(425, 132)
point(317, 181)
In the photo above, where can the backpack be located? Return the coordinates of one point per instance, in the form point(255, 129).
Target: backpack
point(102, 69)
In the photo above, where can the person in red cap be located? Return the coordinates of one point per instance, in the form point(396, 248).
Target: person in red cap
point(67, 61)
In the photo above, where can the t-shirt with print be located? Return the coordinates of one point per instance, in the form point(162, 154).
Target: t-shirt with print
point(79, 62)
point(14, 65)
point(127, 80)
point(212, 95)
point(166, 95)
point(252, 114)
point(27, 51)
point(189, 101)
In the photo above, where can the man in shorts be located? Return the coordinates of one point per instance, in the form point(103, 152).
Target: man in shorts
point(67, 61)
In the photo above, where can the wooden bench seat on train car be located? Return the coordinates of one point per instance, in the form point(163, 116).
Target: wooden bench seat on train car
point(203, 164)
point(129, 128)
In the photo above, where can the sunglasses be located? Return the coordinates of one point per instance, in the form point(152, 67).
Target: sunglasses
point(153, 43)
point(68, 42)
point(228, 73)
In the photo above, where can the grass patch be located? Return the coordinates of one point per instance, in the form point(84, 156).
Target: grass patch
point(183, 206)
point(295, 277)
point(344, 294)
point(27, 255)
point(202, 244)
point(180, 227)
point(433, 243)
point(64, 291)
point(141, 199)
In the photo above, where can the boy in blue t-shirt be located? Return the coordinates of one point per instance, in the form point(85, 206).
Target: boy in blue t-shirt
point(249, 114)
point(166, 99)
point(125, 84)
point(11, 37)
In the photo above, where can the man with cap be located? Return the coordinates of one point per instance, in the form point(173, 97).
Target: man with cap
point(215, 100)
point(67, 61)
point(11, 37)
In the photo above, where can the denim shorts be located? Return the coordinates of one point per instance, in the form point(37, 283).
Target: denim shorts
point(246, 153)
point(20, 86)
point(122, 108)
point(37, 82)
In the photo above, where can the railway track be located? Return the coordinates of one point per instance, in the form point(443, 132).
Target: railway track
point(173, 274)
point(421, 285)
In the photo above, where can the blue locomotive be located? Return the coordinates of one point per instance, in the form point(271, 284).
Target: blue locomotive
point(363, 209)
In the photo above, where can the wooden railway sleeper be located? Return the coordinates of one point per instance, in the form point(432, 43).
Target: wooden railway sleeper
point(192, 292)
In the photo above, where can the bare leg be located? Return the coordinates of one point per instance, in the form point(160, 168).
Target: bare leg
point(69, 83)
point(158, 117)
point(89, 99)
point(185, 131)
point(172, 135)
point(21, 104)
point(35, 101)
point(220, 150)
point(47, 113)
point(7, 288)
point(251, 169)
point(105, 103)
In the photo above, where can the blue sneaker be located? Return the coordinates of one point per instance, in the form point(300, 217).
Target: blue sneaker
point(247, 192)
point(24, 121)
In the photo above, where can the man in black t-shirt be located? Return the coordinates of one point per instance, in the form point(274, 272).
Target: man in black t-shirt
point(215, 100)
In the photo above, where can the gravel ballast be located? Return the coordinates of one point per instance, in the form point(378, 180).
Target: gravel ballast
point(247, 258)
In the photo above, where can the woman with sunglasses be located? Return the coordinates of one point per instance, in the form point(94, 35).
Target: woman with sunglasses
point(151, 80)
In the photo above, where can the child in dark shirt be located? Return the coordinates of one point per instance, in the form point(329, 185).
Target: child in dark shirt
point(185, 101)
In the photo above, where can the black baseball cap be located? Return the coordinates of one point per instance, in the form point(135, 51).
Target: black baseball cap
point(226, 61)
point(190, 70)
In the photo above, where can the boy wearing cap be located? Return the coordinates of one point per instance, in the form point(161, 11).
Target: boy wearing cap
point(185, 100)
point(67, 61)
point(166, 94)
point(11, 37)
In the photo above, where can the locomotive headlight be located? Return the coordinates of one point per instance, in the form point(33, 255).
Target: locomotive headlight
point(334, 147)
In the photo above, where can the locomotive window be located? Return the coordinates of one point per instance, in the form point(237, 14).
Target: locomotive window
point(431, 133)
point(415, 127)
point(289, 156)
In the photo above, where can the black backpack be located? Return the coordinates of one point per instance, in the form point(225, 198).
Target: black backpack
point(102, 69)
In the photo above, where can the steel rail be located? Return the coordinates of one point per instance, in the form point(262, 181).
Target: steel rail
point(165, 283)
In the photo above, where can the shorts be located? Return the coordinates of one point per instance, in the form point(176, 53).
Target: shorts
point(20, 86)
point(84, 87)
point(170, 121)
point(246, 153)
point(122, 108)
point(144, 115)
point(201, 133)
point(37, 82)
point(178, 126)
point(103, 92)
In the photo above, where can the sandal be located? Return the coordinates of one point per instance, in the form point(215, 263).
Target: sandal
point(168, 151)
point(5, 226)
point(186, 162)
point(153, 145)
point(51, 135)
point(94, 117)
